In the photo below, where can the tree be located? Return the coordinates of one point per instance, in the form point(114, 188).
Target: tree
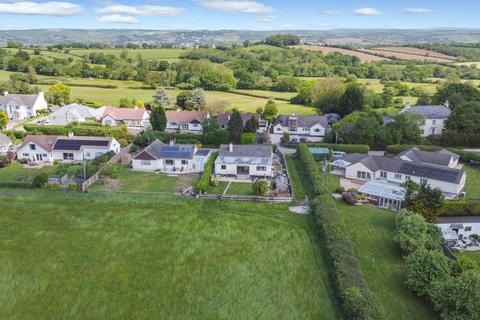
point(58, 94)
point(411, 231)
point(184, 100)
point(252, 125)
point(235, 127)
point(424, 100)
point(270, 111)
point(282, 40)
point(39, 180)
point(158, 118)
point(198, 99)
point(351, 100)
point(124, 103)
point(457, 297)
point(210, 125)
point(218, 106)
point(462, 125)
point(423, 199)
point(425, 267)
point(162, 98)
point(3, 119)
point(248, 138)
point(260, 188)
point(456, 93)
point(406, 128)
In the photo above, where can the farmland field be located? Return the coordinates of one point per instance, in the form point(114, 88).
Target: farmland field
point(405, 53)
point(68, 255)
point(165, 54)
point(364, 57)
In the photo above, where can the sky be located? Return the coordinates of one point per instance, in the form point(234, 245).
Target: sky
point(239, 14)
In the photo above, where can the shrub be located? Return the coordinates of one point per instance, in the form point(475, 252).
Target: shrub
point(312, 169)
point(260, 188)
point(109, 170)
point(347, 148)
point(119, 132)
point(350, 197)
point(40, 180)
point(16, 184)
point(123, 142)
point(4, 162)
point(411, 232)
point(74, 187)
point(51, 186)
point(248, 138)
point(205, 179)
point(340, 190)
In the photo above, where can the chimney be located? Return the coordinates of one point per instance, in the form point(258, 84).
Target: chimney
point(407, 105)
point(70, 134)
point(447, 104)
point(230, 147)
point(172, 142)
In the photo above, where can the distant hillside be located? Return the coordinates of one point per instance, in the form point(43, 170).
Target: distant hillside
point(360, 37)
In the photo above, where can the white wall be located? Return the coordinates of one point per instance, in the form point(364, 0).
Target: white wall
point(450, 235)
point(39, 154)
point(432, 124)
point(231, 169)
point(196, 164)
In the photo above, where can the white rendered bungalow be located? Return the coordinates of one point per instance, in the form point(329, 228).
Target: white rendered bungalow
point(244, 161)
point(131, 117)
point(171, 158)
point(186, 121)
point(300, 128)
point(22, 106)
point(44, 148)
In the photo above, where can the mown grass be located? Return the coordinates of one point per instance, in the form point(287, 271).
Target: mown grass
point(475, 255)
point(371, 229)
point(240, 189)
point(68, 255)
point(301, 187)
point(135, 181)
point(472, 186)
point(16, 172)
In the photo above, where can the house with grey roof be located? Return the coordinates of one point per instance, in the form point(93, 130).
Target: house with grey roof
point(300, 128)
point(224, 118)
point(459, 227)
point(395, 170)
point(244, 162)
point(441, 157)
point(434, 117)
point(5, 143)
point(73, 113)
point(22, 106)
point(171, 158)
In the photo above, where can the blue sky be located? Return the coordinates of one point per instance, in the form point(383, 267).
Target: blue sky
point(238, 14)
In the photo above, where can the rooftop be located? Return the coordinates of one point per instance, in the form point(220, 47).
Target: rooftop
point(159, 150)
point(186, 116)
point(430, 112)
point(440, 157)
point(302, 121)
point(125, 113)
point(27, 100)
point(458, 219)
point(383, 189)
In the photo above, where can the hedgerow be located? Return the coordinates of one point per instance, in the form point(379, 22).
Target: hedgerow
point(204, 182)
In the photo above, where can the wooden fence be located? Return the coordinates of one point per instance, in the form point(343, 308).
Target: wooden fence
point(246, 198)
point(87, 183)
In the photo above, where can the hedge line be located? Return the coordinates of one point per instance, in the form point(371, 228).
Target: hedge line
point(460, 208)
point(16, 134)
point(465, 156)
point(258, 95)
point(215, 138)
point(119, 132)
point(204, 182)
point(16, 184)
point(352, 289)
point(87, 85)
point(348, 148)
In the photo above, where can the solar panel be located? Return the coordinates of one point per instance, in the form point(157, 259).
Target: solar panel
point(64, 144)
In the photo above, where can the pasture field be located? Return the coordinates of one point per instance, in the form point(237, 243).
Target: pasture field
point(49, 55)
point(164, 54)
point(418, 52)
point(69, 255)
point(476, 64)
point(364, 57)
point(393, 53)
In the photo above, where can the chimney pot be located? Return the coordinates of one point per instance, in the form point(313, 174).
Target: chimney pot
point(230, 147)
point(70, 134)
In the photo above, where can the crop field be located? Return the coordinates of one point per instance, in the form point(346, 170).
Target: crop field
point(407, 53)
point(68, 255)
point(364, 57)
point(165, 54)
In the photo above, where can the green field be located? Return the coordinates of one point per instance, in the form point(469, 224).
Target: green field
point(475, 255)
point(164, 54)
point(16, 172)
point(68, 255)
point(472, 186)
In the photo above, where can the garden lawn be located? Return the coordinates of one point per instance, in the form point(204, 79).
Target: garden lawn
point(475, 255)
point(69, 255)
point(240, 189)
point(472, 187)
point(135, 181)
point(301, 187)
point(16, 172)
point(219, 189)
point(371, 230)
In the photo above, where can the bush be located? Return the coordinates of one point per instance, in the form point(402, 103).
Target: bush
point(347, 148)
point(12, 133)
point(205, 179)
point(248, 138)
point(312, 169)
point(109, 170)
point(340, 190)
point(411, 232)
point(350, 197)
point(16, 184)
point(4, 162)
point(119, 132)
point(74, 187)
point(51, 186)
point(260, 188)
point(40, 180)
point(459, 208)
point(123, 142)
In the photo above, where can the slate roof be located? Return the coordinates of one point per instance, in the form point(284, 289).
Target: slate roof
point(159, 150)
point(245, 155)
point(72, 112)
point(27, 100)
point(376, 163)
point(441, 157)
point(303, 121)
point(50, 143)
point(4, 139)
point(45, 142)
point(121, 114)
point(186, 116)
point(223, 118)
point(458, 219)
point(430, 112)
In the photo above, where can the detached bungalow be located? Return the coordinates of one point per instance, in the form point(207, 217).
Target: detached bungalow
point(435, 117)
point(73, 113)
point(186, 121)
point(22, 106)
point(171, 158)
point(244, 161)
point(300, 128)
point(131, 117)
point(49, 148)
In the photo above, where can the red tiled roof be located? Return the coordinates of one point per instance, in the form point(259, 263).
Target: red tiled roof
point(186, 116)
point(46, 142)
point(144, 155)
point(124, 113)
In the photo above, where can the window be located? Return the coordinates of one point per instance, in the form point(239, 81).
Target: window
point(33, 147)
point(67, 156)
point(169, 162)
point(45, 155)
point(279, 129)
point(364, 175)
point(398, 176)
point(408, 178)
point(317, 130)
point(223, 167)
point(261, 168)
point(383, 174)
point(184, 126)
point(423, 180)
point(98, 154)
point(146, 162)
point(434, 122)
point(184, 162)
point(26, 155)
point(468, 228)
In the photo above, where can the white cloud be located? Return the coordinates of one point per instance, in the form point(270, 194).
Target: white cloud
point(367, 12)
point(417, 10)
point(118, 18)
point(244, 6)
point(333, 12)
point(46, 8)
point(141, 10)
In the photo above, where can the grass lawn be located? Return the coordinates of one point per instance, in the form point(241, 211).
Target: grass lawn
point(371, 230)
point(218, 189)
point(475, 255)
point(301, 187)
point(240, 189)
point(472, 187)
point(268, 94)
point(68, 255)
point(16, 172)
point(129, 180)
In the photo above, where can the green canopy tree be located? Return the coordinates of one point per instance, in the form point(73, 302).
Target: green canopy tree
point(252, 125)
point(58, 94)
point(352, 100)
point(270, 111)
point(3, 119)
point(158, 118)
point(235, 127)
point(162, 98)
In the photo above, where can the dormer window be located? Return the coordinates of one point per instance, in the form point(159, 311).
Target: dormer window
point(33, 146)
